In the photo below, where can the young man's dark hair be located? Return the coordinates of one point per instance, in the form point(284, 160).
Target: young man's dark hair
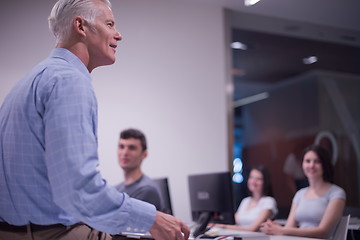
point(134, 133)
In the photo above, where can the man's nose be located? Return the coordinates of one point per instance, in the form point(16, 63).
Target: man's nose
point(118, 36)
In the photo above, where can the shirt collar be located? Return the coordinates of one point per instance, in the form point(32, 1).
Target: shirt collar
point(71, 58)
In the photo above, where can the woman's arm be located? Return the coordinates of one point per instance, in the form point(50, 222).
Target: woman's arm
point(263, 216)
point(255, 226)
point(272, 228)
point(291, 222)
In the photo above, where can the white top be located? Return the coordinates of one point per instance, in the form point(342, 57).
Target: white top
point(309, 212)
point(245, 216)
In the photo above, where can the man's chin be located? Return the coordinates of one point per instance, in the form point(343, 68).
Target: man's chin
point(126, 168)
point(108, 61)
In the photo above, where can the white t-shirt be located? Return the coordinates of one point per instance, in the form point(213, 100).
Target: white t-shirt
point(245, 216)
point(309, 212)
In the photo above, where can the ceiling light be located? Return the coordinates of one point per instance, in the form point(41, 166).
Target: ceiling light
point(250, 2)
point(238, 45)
point(310, 60)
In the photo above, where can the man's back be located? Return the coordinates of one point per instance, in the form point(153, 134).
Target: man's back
point(25, 184)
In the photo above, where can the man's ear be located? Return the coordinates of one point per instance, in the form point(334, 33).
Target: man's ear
point(79, 25)
point(145, 153)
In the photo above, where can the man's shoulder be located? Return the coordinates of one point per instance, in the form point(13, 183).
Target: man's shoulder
point(64, 64)
point(60, 66)
point(120, 187)
point(147, 181)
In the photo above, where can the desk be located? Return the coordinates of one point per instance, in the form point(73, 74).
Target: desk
point(278, 238)
point(270, 238)
point(354, 223)
point(354, 229)
point(291, 238)
point(221, 231)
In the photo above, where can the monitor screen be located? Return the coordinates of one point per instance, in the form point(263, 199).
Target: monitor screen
point(211, 200)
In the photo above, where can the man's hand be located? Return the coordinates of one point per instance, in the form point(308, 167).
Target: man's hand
point(167, 227)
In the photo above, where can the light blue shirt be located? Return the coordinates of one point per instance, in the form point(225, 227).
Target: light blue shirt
point(49, 158)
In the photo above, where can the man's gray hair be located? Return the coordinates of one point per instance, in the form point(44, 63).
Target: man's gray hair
point(64, 11)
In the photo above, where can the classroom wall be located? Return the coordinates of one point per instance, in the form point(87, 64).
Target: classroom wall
point(169, 81)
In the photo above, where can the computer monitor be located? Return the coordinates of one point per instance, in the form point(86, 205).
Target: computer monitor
point(211, 200)
point(163, 184)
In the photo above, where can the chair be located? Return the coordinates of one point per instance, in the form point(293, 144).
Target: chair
point(342, 228)
point(165, 194)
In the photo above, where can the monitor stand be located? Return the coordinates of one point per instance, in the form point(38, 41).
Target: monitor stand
point(201, 223)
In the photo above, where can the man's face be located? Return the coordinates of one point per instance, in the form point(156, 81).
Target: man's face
point(130, 153)
point(102, 38)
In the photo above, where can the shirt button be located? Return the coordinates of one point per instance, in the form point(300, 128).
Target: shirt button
point(136, 230)
point(128, 229)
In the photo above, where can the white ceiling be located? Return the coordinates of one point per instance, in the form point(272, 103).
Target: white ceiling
point(335, 13)
point(279, 56)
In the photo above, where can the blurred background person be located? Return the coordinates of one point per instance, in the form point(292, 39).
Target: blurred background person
point(132, 150)
point(316, 209)
point(296, 178)
point(259, 206)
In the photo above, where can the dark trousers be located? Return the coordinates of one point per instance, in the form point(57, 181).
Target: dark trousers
point(58, 232)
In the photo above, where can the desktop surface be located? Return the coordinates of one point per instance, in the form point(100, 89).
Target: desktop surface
point(247, 236)
point(251, 235)
point(220, 232)
point(273, 237)
point(215, 231)
point(293, 238)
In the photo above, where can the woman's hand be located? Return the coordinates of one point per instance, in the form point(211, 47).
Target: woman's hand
point(271, 228)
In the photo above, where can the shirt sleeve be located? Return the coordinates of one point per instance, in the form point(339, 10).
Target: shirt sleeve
point(336, 193)
point(298, 196)
point(70, 120)
point(269, 203)
point(243, 204)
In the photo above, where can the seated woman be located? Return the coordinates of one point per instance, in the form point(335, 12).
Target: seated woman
point(258, 207)
point(317, 208)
